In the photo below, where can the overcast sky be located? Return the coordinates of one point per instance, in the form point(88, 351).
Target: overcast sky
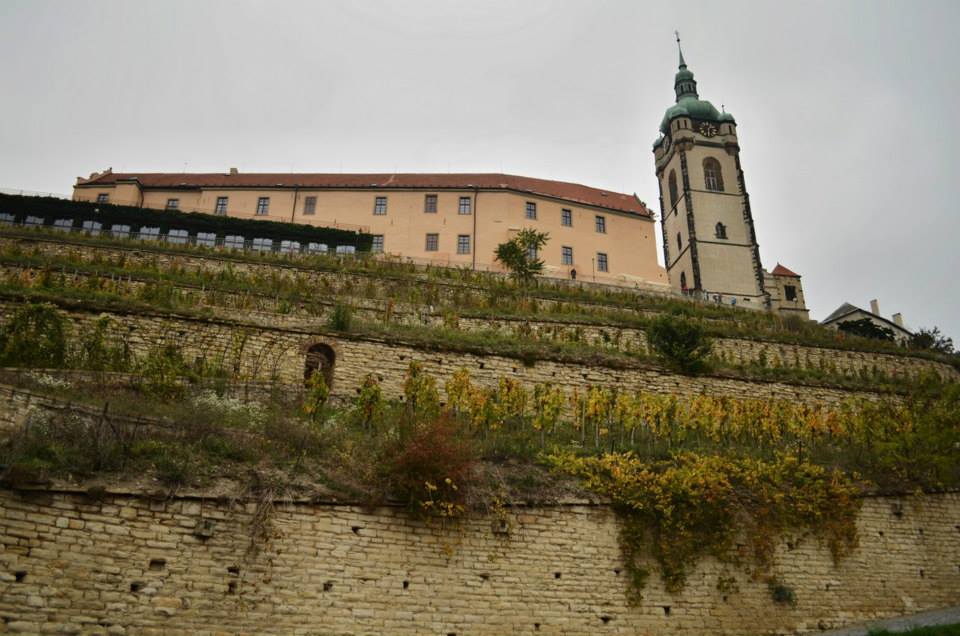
point(846, 111)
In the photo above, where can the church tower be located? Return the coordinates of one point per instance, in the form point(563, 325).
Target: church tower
point(709, 243)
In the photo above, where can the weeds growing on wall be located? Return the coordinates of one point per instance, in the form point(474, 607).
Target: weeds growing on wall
point(693, 505)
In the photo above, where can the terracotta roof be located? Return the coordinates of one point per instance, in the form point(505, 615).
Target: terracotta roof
point(780, 270)
point(573, 192)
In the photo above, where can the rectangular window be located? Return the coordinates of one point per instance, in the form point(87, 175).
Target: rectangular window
point(103, 198)
point(566, 255)
point(432, 243)
point(601, 223)
point(465, 207)
point(380, 206)
point(263, 206)
point(790, 292)
point(430, 204)
point(531, 211)
point(310, 205)
point(173, 204)
point(532, 253)
point(221, 208)
point(377, 247)
point(463, 244)
point(602, 265)
point(566, 218)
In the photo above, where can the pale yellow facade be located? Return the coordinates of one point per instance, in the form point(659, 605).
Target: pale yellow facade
point(582, 238)
point(709, 246)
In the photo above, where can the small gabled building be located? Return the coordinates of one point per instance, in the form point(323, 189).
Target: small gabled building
point(850, 313)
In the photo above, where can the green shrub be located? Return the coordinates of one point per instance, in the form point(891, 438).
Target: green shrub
point(680, 343)
point(341, 318)
point(162, 371)
point(35, 336)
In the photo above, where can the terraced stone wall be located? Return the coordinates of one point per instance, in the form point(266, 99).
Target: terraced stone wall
point(187, 565)
point(255, 352)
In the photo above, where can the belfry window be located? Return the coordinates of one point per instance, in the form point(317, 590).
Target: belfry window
point(721, 231)
point(672, 184)
point(712, 175)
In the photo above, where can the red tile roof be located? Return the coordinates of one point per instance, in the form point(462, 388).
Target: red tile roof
point(573, 192)
point(780, 270)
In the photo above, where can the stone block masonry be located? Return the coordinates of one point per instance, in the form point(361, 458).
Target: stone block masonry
point(127, 564)
point(259, 353)
point(363, 292)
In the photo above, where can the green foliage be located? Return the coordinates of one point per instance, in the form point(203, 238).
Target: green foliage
point(931, 340)
point(681, 344)
point(162, 372)
point(35, 336)
point(520, 255)
point(781, 593)
point(865, 328)
point(100, 349)
point(341, 318)
point(52, 208)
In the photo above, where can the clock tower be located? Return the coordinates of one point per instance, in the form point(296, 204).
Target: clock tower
point(709, 243)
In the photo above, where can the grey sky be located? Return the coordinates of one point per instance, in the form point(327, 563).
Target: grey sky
point(846, 110)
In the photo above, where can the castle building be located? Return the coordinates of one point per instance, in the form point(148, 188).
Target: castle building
point(445, 219)
point(709, 242)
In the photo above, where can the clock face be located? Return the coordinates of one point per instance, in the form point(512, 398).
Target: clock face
point(707, 130)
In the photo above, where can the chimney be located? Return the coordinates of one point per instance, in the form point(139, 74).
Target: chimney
point(875, 307)
point(898, 320)
point(234, 171)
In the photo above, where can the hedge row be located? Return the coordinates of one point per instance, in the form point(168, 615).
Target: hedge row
point(51, 209)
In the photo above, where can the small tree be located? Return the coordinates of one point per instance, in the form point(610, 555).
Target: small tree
point(680, 343)
point(520, 255)
point(931, 339)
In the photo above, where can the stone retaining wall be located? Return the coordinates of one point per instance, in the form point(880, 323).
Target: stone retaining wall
point(280, 312)
point(260, 353)
point(126, 564)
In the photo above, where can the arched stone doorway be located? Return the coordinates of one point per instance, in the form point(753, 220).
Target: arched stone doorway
point(321, 358)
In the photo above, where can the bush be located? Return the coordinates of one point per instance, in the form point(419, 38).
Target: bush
point(36, 336)
point(341, 318)
point(432, 469)
point(680, 343)
point(161, 372)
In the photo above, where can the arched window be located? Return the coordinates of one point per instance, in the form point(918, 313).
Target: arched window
point(320, 359)
point(673, 188)
point(683, 281)
point(712, 175)
point(721, 231)
point(679, 242)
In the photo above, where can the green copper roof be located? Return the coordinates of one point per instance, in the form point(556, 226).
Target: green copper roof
point(689, 103)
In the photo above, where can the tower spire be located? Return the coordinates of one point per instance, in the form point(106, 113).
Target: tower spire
point(684, 84)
